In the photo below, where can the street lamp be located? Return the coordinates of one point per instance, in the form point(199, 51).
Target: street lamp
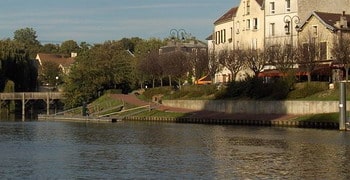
point(56, 82)
point(290, 22)
point(178, 34)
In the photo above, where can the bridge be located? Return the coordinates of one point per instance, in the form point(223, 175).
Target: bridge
point(25, 97)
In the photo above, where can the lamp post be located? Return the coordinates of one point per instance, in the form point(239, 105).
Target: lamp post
point(290, 22)
point(56, 83)
point(178, 34)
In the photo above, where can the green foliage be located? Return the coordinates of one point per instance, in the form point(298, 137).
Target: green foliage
point(9, 87)
point(50, 70)
point(303, 90)
point(28, 38)
point(16, 65)
point(328, 117)
point(69, 46)
point(255, 88)
point(104, 66)
point(149, 93)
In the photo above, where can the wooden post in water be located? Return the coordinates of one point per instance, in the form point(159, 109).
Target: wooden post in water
point(23, 108)
point(342, 107)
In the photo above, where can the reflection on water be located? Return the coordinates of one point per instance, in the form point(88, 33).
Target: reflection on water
point(167, 150)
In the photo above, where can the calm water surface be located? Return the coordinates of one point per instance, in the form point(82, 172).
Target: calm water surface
point(137, 150)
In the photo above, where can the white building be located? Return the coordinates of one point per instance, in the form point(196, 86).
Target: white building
point(257, 24)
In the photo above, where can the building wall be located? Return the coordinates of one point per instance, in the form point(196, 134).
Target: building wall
point(249, 26)
point(275, 21)
point(298, 8)
point(223, 36)
point(316, 30)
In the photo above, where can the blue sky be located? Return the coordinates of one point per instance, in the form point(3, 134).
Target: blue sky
point(96, 21)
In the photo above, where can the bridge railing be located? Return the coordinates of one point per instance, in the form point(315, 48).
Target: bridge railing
point(31, 95)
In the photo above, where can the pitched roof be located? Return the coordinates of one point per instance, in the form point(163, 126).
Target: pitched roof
point(260, 2)
point(227, 16)
point(59, 59)
point(328, 19)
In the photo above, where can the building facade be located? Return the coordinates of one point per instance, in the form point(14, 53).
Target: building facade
point(259, 24)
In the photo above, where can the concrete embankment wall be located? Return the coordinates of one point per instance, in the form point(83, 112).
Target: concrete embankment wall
point(258, 107)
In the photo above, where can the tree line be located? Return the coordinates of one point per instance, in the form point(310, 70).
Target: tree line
point(132, 63)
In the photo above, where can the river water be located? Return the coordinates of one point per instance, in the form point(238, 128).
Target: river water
point(144, 150)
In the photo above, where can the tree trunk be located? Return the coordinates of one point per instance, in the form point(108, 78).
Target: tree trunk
point(153, 83)
point(170, 81)
point(161, 81)
point(308, 76)
point(346, 72)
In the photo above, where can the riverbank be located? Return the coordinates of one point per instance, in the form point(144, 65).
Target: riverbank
point(279, 122)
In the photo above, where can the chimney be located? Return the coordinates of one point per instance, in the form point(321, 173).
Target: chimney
point(343, 21)
point(73, 54)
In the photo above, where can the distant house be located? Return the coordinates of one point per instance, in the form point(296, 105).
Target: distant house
point(325, 29)
point(62, 61)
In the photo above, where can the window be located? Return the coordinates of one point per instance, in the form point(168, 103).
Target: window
point(323, 50)
point(255, 23)
point(223, 36)
point(248, 7)
point(248, 23)
point(272, 29)
point(288, 5)
point(217, 37)
point(237, 27)
point(314, 30)
point(272, 7)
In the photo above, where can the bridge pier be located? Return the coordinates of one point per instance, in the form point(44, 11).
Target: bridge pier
point(25, 97)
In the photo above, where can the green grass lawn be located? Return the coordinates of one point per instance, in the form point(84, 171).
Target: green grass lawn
point(328, 117)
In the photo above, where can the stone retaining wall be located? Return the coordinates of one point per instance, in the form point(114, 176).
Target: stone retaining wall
point(258, 107)
point(274, 123)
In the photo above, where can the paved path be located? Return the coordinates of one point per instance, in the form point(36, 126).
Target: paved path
point(132, 99)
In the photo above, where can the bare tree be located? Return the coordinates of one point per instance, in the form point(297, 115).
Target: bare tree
point(175, 65)
point(233, 60)
point(213, 66)
point(150, 66)
point(307, 55)
point(255, 60)
point(199, 62)
point(341, 51)
point(281, 56)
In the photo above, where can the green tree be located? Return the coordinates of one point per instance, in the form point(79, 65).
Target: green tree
point(104, 66)
point(69, 46)
point(16, 65)
point(27, 36)
point(48, 73)
point(50, 48)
